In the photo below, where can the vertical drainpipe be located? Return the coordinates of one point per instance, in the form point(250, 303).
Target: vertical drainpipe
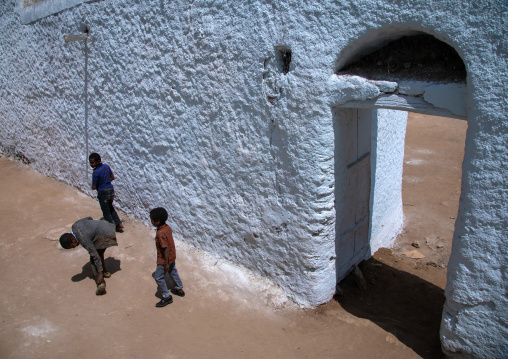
point(86, 108)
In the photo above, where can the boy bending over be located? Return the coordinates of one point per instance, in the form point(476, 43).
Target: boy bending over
point(95, 237)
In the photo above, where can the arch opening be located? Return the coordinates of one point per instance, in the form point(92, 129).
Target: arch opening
point(416, 73)
point(413, 57)
point(364, 134)
point(408, 74)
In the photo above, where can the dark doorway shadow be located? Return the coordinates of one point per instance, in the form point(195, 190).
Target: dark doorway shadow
point(112, 264)
point(401, 303)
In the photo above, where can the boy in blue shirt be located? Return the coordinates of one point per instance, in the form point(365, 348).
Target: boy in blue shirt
point(101, 181)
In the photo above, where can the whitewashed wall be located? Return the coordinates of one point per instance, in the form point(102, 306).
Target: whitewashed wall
point(388, 160)
point(187, 103)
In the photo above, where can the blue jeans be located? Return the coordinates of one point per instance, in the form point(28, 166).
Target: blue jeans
point(158, 275)
point(106, 197)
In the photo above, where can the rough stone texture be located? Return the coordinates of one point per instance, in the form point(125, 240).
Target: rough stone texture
point(189, 104)
point(344, 89)
point(445, 99)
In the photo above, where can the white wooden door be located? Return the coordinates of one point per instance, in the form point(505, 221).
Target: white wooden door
point(352, 173)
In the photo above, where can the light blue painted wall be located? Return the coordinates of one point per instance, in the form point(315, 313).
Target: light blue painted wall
point(187, 104)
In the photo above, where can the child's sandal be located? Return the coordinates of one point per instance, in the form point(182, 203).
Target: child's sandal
point(101, 289)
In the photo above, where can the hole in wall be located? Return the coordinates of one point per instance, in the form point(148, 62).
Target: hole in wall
point(283, 58)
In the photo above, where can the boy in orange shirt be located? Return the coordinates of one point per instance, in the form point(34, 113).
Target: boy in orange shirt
point(166, 255)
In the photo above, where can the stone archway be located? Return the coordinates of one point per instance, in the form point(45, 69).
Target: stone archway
point(358, 93)
point(405, 72)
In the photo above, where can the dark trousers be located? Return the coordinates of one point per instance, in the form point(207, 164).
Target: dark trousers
point(106, 197)
point(92, 262)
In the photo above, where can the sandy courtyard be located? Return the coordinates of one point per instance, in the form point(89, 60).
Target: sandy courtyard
point(48, 306)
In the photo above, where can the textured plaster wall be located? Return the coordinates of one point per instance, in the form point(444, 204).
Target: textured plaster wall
point(189, 106)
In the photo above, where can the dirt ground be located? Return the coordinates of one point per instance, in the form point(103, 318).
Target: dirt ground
point(48, 307)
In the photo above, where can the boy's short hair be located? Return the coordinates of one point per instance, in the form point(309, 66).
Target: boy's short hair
point(66, 240)
point(159, 214)
point(95, 156)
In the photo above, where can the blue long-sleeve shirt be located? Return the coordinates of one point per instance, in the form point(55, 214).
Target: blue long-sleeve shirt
point(101, 177)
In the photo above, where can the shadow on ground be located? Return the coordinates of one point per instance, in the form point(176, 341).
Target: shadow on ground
point(401, 303)
point(112, 264)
